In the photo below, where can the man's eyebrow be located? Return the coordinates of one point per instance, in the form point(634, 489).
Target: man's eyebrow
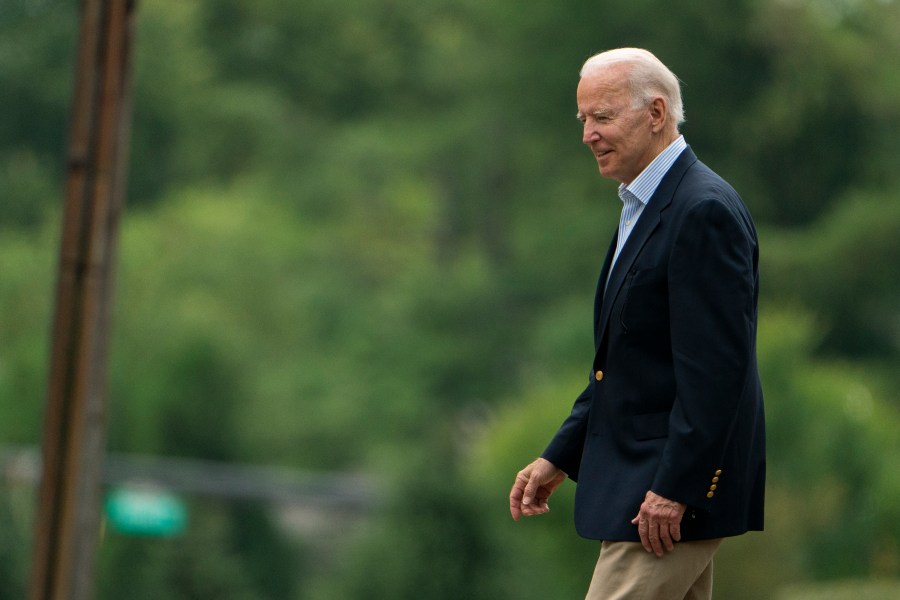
point(599, 113)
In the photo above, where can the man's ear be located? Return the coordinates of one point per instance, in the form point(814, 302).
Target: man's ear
point(659, 114)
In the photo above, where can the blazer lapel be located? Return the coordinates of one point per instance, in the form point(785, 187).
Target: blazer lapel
point(601, 285)
point(643, 230)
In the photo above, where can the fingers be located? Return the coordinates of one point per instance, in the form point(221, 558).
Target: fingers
point(665, 538)
point(659, 523)
point(534, 498)
point(532, 489)
point(515, 499)
point(654, 537)
point(675, 530)
point(643, 531)
point(522, 495)
point(537, 505)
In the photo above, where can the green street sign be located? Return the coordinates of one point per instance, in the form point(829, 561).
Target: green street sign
point(145, 512)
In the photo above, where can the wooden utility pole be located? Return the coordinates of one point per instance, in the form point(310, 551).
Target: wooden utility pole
point(68, 519)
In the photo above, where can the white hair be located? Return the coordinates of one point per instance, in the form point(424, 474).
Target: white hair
point(648, 78)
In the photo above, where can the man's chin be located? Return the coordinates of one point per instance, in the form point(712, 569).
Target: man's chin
point(605, 172)
point(604, 166)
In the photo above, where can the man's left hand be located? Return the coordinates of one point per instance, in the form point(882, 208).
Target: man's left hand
point(659, 523)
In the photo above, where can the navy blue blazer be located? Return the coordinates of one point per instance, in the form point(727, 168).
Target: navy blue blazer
point(674, 402)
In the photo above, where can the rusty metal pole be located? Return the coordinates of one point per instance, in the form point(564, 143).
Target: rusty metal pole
point(74, 444)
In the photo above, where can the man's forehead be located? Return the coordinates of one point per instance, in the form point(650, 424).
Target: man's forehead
point(609, 81)
point(601, 92)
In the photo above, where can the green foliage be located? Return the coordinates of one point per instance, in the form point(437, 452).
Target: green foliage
point(429, 542)
point(843, 267)
point(15, 539)
point(26, 262)
point(850, 590)
point(365, 236)
point(210, 561)
point(832, 439)
point(37, 40)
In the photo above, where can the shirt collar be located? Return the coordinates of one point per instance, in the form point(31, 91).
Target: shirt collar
point(645, 184)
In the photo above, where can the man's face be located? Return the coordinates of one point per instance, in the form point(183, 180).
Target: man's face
point(619, 135)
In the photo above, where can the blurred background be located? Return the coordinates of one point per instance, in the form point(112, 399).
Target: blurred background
point(356, 274)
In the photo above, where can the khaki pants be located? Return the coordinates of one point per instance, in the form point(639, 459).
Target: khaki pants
point(625, 571)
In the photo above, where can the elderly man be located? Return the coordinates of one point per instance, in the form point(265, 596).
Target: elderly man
point(667, 442)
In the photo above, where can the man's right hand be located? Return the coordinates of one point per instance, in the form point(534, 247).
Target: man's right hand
point(533, 487)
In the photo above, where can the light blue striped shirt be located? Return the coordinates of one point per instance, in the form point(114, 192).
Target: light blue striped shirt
point(637, 194)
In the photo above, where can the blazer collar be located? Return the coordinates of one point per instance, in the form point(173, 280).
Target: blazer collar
point(643, 229)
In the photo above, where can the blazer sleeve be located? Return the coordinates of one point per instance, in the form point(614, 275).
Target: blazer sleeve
point(712, 289)
point(566, 447)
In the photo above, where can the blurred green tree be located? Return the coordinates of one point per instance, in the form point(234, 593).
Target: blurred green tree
point(357, 235)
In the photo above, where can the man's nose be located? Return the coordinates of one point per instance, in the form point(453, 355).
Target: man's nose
point(590, 133)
